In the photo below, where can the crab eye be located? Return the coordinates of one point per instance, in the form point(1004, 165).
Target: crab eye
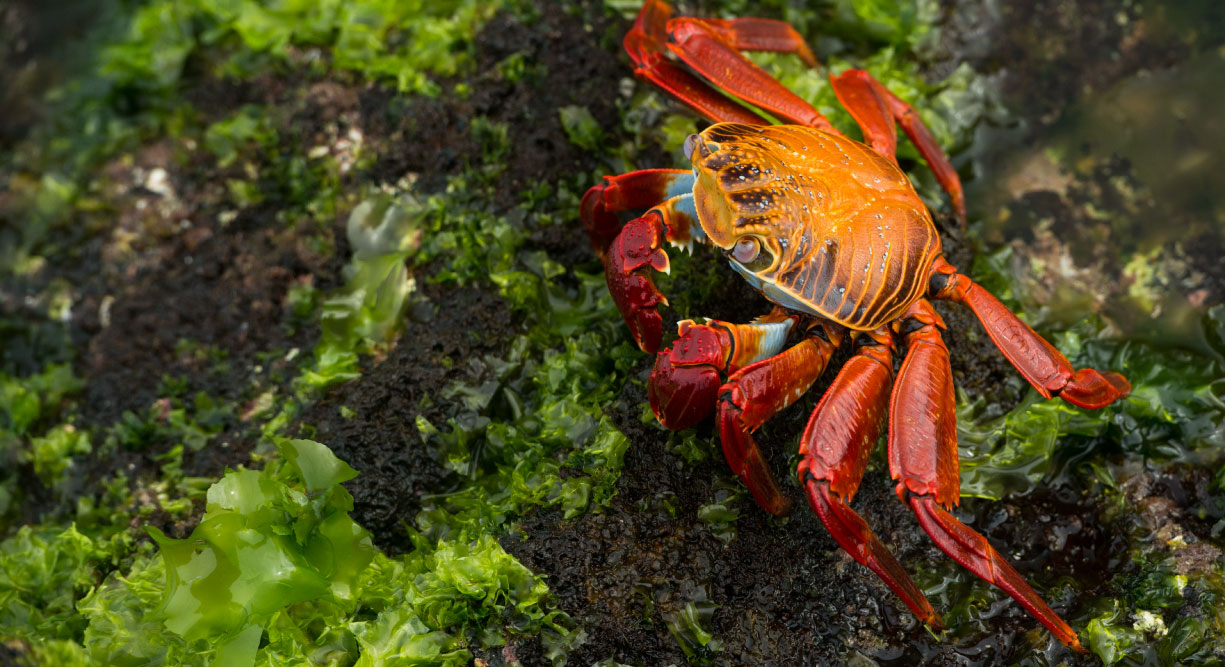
point(747, 249)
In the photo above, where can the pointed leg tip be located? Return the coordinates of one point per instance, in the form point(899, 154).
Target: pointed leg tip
point(1120, 383)
point(972, 551)
point(934, 622)
point(746, 460)
point(852, 533)
point(1064, 633)
point(1091, 389)
point(781, 507)
point(769, 499)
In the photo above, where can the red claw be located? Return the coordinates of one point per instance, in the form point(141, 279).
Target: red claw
point(636, 248)
point(635, 190)
point(685, 382)
point(682, 396)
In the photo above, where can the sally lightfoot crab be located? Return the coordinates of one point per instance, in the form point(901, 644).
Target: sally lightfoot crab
point(831, 231)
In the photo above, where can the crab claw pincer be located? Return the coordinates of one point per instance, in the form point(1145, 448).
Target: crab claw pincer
point(685, 381)
point(632, 289)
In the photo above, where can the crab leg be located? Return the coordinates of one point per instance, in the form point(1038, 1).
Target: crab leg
point(685, 381)
point(875, 108)
point(646, 44)
point(637, 248)
point(1037, 360)
point(704, 49)
point(859, 97)
point(711, 47)
point(627, 192)
point(755, 393)
point(694, 92)
point(744, 33)
point(835, 450)
point(923, 461)
point(757, 34)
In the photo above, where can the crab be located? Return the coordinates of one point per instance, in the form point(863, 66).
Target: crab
point(830, 231)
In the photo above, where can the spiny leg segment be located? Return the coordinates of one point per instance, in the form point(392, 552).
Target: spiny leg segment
point(834, 453)
point(756, 393)
point(923, 461)
point(1037, 360)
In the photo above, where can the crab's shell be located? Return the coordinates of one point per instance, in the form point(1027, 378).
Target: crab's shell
point(848, 238)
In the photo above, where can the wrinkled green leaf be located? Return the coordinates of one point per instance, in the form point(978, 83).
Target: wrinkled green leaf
point(581, 127)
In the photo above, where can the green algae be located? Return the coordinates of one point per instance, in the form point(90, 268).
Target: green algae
point(36, 427)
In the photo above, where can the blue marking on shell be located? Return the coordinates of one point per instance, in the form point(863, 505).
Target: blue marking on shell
point(773, 293)
point(681, 184)
point(777, 295)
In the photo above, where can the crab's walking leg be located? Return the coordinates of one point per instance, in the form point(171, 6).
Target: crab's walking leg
point(755, 393)
point(923, 461)
point(712, 48)
point(861, 100)
point(646, 43)
point(750, 33)
point(1037, 360)
point(703, 48)
point(745, 33)
point(835, 450)
point(691, 90)
point(685, 381)
point(874, 109)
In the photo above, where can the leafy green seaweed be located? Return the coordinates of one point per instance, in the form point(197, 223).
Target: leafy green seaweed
point(29, 433)
point(366, 312)
point(275, 556)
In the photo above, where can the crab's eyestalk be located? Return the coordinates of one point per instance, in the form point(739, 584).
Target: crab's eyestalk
point(695, 142)
point(753, 253)
point(746, 250)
